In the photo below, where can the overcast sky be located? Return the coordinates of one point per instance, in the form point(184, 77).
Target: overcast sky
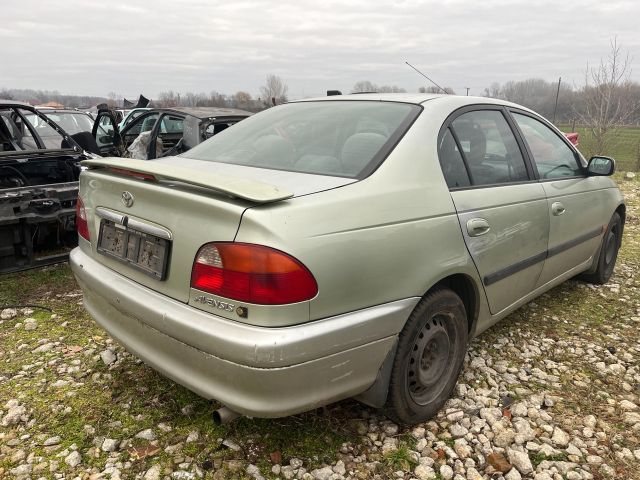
point(129, 47)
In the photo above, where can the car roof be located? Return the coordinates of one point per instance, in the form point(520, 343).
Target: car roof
point(205, 112)
point(14, 103)
point(61, 110)
point(454, 101)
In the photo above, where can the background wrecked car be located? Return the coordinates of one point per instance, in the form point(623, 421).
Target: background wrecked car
point(38, 188)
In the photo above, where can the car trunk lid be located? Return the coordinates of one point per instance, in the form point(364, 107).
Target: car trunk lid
point(191, 202)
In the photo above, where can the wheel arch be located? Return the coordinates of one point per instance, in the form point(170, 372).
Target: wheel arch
point(622, 211)
point(466, 288)
point(462, 285)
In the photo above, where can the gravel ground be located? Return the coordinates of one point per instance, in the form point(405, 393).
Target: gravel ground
point(552, 392)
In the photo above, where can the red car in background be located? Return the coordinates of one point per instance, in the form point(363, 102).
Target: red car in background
point(573, 138)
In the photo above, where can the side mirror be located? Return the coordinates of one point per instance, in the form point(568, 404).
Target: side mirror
point(601, 166)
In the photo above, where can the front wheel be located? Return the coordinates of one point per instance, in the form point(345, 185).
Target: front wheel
point(431, 350)
point(608, 252)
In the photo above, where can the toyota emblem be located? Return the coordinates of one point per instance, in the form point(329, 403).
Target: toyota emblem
point(127, 198)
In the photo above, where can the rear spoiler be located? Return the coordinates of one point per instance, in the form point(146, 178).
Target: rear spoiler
point(252, 190)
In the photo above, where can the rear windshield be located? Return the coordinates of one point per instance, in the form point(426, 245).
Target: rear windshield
point(338, 138)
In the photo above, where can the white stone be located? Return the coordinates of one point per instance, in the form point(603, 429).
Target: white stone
point(513, 474)
point(520, 460)
point(153, 473)
point(627, 405)
point(108, 357)
point(73, 459)
point(146, 435)
point(30, 324)
point(324, 473)
point(14, 415)
point(631, 418)
point(8, 313)
point(446, 472)
point(52, 441)
point(560, 437)
point(425, 473)
point(109, 445)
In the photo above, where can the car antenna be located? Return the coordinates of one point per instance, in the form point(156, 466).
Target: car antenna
point(427, 78)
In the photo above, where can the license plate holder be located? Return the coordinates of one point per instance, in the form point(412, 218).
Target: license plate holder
point(140, 250)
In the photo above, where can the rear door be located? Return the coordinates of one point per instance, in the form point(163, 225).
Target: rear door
point(576, 203)
point(502, 209)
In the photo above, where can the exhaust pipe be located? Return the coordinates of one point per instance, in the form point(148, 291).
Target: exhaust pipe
point(224, 415)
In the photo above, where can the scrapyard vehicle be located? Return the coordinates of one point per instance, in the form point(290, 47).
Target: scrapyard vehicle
point(162, 132)
point(339, 247)
point(39, 169)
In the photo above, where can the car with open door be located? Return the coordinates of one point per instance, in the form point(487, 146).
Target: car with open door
point(162, 132)
point(347, 246)
point(39, 170)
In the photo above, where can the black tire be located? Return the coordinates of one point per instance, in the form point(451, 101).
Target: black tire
point(608, 252)
point(431, 350)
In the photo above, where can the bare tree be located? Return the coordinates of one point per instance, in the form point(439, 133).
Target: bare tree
point(364, 86)
point(390, 89)
point(168, 99)
point(433, 89)
point(608, 100)
point(274, 90)
point(242, 100)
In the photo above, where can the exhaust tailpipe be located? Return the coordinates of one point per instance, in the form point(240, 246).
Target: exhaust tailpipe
point(224, 415)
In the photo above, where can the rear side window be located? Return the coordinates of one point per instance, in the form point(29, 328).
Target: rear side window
point(338, 138)
point(489, 148)
point(451, 162)
point(552, 156)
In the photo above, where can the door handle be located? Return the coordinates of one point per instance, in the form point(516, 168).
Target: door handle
point(557, 208)
point(477, 227)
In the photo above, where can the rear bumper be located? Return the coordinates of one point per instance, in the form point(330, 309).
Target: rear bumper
point(257, 371)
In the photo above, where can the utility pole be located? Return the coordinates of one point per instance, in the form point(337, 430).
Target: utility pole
point(467, 91)
point(555, 107)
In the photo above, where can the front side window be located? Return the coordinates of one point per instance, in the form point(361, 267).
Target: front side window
point(551, 155)
point(340, 138)
point(489, 148)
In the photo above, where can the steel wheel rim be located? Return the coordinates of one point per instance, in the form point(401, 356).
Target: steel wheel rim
point(430, 359)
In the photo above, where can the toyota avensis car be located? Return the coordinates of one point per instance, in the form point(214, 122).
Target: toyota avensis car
point(340, 247)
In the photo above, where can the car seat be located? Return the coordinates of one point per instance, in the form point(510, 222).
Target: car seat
point(358, 150)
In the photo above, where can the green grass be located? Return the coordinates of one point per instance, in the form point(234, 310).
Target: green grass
point(399, 459)
point(624, 145)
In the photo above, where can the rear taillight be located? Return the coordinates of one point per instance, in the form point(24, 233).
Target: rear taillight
point(252, 274)
point(81, 220)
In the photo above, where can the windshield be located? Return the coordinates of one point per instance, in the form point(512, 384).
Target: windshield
point(339, 138)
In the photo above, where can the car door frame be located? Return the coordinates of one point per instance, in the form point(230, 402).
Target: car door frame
point(518, 267)
point(151, 151)
point(116, 146)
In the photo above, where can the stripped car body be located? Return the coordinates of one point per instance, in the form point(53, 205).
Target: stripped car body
point(38, 188)
point(169, 131)
point(356, 215)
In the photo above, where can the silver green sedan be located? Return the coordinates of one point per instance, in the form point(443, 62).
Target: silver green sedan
point(340, 247)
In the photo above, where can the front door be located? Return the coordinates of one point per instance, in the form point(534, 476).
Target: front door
point(105, 131)
point(502, 210)
point(576, 203)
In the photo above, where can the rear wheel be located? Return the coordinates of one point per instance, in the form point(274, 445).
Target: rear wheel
point(431, 350)
point(608, 252)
